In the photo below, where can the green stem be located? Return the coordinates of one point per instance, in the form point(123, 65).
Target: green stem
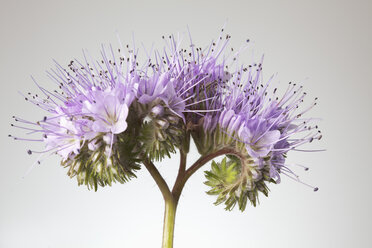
point(170, 204)
point(184, 175)
point(163, 186)
point(169, 220)
point(177, 187)
point(171, 198)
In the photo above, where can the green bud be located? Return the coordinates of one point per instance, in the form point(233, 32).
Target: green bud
point(161, 131)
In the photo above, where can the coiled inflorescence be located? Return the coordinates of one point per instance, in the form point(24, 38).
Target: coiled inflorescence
point(108, 116)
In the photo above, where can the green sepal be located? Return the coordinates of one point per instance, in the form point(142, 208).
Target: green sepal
point(234, 184)
point(158, 143)
point(94, 168)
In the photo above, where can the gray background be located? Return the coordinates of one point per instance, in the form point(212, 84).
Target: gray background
point(326, 45)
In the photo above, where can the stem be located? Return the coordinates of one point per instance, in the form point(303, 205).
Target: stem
point(163, 186)
point(169, 220)
point(177, 188)
point(171, 198)
point(170, 204)
point(204, 159)
point(185, 175)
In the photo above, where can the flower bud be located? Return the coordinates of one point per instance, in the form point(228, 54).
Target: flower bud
point(158, 110)
point(162, 123)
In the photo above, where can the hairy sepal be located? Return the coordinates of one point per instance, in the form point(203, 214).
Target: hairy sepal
point(95, 168)
point(161, 135)
point(237, 179)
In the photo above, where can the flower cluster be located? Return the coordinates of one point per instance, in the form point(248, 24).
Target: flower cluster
point(108, 116)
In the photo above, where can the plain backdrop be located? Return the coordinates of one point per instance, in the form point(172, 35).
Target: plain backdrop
point(325, 45)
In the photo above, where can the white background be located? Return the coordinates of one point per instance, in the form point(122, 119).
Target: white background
point(326, 45)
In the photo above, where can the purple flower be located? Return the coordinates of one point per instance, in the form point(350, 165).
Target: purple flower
point(64, 138)
point(92, 102)
point(152, 88)
point(108, 111)
point(102, 107)
point(259, 141)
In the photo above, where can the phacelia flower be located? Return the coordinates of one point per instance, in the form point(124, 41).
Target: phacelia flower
point(108, 116)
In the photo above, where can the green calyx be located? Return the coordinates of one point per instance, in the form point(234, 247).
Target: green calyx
point(95, 168)
point(99, 167)
point(160, 134)
point(209, 142)
point(237, 179)
point(236, 184)
point(153, 132)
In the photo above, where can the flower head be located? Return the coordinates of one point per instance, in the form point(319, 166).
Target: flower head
point(108, 116)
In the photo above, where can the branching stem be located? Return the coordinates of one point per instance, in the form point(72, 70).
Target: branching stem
point(163, 186)
point(171, 198)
